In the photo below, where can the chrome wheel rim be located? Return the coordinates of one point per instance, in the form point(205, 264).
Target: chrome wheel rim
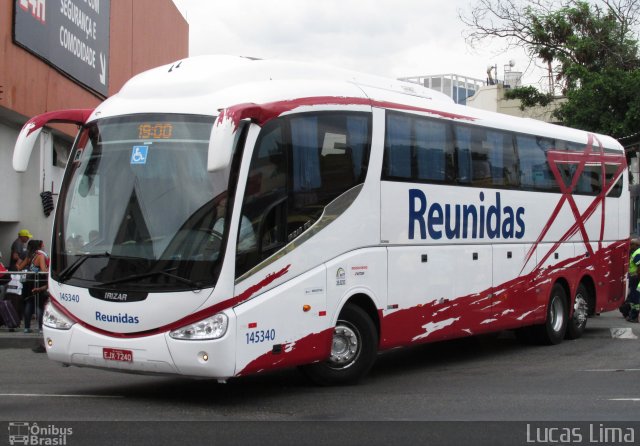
point(557, 314)
point(345, 346)
point(580, 310)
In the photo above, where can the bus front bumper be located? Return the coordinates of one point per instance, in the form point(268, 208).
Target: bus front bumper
point(155, 354)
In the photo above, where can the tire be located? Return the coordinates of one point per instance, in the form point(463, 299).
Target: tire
point(353, 350)
point(552, 332)
point(578, 321)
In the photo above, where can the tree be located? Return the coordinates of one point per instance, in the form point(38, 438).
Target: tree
point(591, 48)
point(607, 102)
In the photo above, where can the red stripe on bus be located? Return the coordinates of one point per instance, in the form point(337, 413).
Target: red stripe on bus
point(192, 318)
point(263, 113)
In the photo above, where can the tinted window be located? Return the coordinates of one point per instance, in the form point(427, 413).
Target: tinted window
point(138, 202)
point(329, 154)
point(587, 183)
point(535, 172)
point(433, 150)
point(418, 149)
point(422, 149)
point(610, 171)
point(397, 147)
point(300, 164)
point(486, 158)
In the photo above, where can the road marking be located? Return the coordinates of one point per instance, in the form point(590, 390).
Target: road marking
point(611, 370)
point(624, 399)
point(53, 395)
point(622, 333)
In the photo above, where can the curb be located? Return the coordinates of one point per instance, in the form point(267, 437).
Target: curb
point(19, 340)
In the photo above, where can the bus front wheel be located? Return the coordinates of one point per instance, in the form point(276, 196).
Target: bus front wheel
point(354, 348)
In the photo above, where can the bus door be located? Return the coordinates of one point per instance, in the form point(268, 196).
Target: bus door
point(302, 176)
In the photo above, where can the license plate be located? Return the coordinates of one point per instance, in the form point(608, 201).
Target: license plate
point(116, 354)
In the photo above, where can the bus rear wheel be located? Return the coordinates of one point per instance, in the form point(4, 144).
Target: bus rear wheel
point(554, 329)
point(354, 348)
point(578, 321)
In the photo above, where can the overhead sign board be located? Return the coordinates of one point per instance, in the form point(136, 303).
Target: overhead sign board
point(71, 35)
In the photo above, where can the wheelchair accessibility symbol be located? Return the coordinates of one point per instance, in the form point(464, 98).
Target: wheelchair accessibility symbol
point(139, 155)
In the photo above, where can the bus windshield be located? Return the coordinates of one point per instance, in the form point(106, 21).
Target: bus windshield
point(138, 208)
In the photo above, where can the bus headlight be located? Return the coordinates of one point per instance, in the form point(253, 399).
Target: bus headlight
point(213, 327)
point(53, 318)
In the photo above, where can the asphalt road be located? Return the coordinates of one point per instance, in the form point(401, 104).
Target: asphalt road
point(489, 379)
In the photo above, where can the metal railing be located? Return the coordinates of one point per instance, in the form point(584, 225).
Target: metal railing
point(16, 295)
point(39, 277)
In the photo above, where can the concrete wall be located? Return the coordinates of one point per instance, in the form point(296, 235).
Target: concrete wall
point(143, 33)
point(26, 202)
point(491, 98)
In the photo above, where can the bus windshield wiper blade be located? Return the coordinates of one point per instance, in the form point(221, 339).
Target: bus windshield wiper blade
point(66, 273)
point(166, 272)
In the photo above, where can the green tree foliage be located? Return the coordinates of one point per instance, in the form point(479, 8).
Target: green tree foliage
point(607, 101)
point(591, 47)
point(529, 96)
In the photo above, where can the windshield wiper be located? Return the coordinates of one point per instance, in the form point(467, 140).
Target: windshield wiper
point(166, 272)
point(66, 273)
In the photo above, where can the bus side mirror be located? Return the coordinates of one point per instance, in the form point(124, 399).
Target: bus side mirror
point(24, 146)
point(31, 130)
point(221, 143)
point(226, 131)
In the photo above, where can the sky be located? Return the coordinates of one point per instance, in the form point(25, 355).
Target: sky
point(393, 38)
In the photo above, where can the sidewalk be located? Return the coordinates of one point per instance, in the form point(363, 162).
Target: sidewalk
point(18, 339)
point(612, 325)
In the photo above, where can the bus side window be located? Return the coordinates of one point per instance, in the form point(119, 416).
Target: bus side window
point(535, 172)
point(329, 156)
point(397, 147)
point(300, 164)
point(590, 180)
point(266, 189)
point(433, 151)
point(502, 156)
point(481, 166)
point(463, 151)
point(418, 149)
point(610, 171)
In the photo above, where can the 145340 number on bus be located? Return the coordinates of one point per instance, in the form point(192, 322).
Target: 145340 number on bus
point(257, 336)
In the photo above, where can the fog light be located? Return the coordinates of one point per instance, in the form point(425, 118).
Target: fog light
point(49, 342)
point(203, 357)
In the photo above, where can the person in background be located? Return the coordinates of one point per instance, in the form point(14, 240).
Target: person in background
point(36, 261)
point(4, 276)
point(634, 262)
point(18, 254)
point(19, 249)
point(633, 298)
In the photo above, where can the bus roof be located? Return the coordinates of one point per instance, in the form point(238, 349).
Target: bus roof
point(204, 85)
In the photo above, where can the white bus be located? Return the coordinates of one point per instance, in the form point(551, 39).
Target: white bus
point(223, 216)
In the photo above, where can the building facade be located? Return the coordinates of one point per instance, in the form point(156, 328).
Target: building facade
point(492, 98)
point(71, 54)
point(457, 87)
point(631, 145)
